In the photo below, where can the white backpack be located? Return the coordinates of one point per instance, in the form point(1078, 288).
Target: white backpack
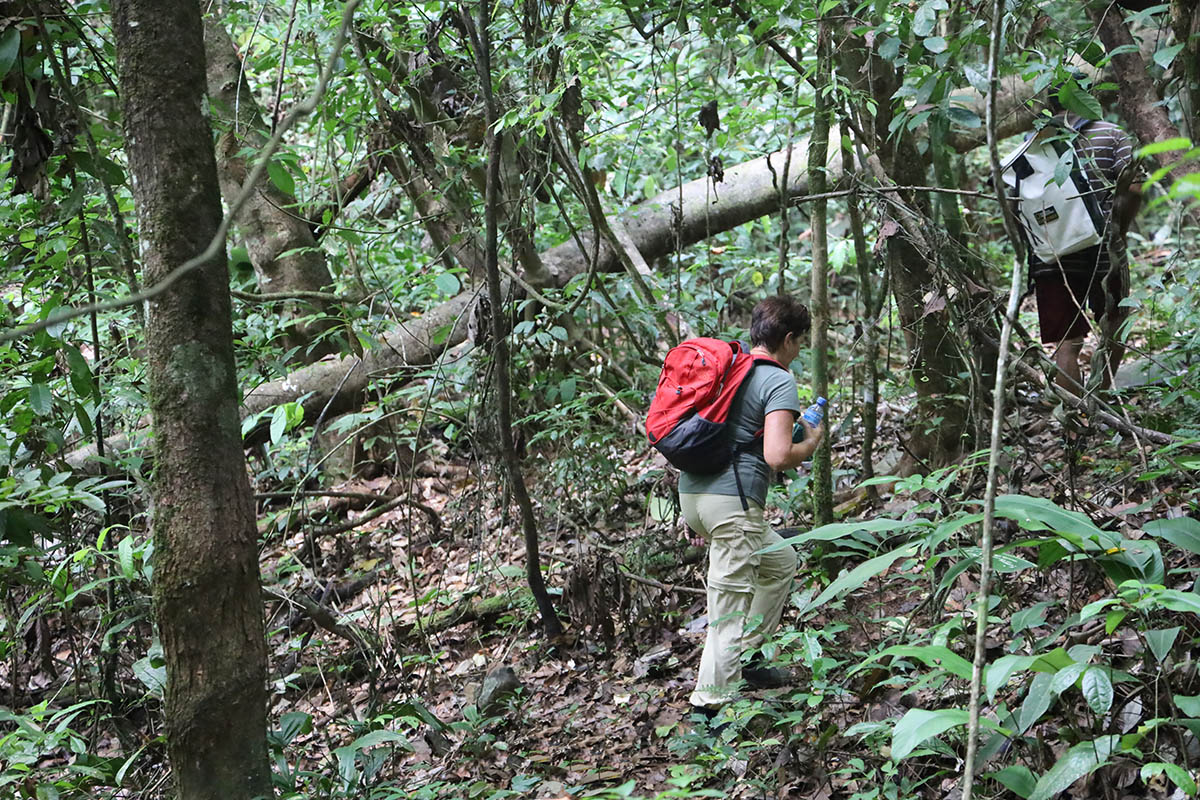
point(1060, 216)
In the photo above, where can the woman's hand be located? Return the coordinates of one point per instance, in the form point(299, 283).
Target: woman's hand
point(780, 452)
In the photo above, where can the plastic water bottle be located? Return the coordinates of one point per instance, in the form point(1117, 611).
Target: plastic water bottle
point(816, 412)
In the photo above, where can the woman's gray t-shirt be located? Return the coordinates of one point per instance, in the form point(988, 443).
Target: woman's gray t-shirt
point(767, 388)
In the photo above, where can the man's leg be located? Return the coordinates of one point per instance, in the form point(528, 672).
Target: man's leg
point(1060, 302)
point(1066, 358)
point(1116, 289)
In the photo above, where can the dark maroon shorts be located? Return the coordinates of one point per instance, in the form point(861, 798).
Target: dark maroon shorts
point(1061, 303)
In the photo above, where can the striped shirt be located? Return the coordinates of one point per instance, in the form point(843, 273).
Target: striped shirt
point(1106, 151)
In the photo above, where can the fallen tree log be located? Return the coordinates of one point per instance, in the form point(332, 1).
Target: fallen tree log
point(673, 219)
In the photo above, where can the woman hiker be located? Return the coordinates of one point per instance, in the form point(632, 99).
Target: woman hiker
point(746, 589)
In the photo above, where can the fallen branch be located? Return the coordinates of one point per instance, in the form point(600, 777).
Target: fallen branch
point(327, 619)
point(375, 513)
point(461, 612)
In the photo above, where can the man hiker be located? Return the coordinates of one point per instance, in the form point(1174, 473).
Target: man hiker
point(747, 589)
point(1068, 280)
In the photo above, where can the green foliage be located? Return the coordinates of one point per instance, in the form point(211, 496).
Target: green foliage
point(75, 549)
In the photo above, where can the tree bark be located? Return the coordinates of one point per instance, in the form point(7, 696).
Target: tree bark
point(938, 423)
point(1185, 19)
point(206, 582)
point(1137, 96)
point(818, 155)
point(283, 251)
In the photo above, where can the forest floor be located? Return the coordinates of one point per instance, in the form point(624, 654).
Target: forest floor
point(606, 704)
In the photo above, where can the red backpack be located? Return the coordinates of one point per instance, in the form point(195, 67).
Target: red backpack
point(689, 414)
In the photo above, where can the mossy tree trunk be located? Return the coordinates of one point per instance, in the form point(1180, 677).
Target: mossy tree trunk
point(207, 593)
point(822, 471)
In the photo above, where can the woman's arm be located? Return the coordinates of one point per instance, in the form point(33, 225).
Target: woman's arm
point(779, 450)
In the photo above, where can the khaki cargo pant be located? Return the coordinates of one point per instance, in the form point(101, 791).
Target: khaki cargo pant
point(746, 590)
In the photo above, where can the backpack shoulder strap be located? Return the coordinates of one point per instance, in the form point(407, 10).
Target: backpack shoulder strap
point(1082, 124)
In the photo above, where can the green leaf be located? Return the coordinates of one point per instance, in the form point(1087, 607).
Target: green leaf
point(861, 574)
point(889, 48)
point(295, 414)
point(1161, 641)
point(81, 373)
point(1066, 677)
point(1039, 514)
point(661, 509)
point(1093, 53)
point(102, 169)
point(1098, 689)
point(837, 530)
point(977, 78)
point(376, 738)
point(925, 19)
point(1079, 761)
point(930, 655)
point(1175, 600)
point(522, 784)
point(1077, 100)
point(566, 389)
point(1037, 701)
point(998, 672)
point(40, 399)
point(447, 283)
point(125, 556)
point(293, 724)
point(10, 45)
point(1129, 559)
point(1032, 617)
point(84, 419)
point(1165, 56)
point(1052, 662)
point(964, 117)
point(935, 44)
point(279, 423)
point(281, 177)
point(918, 725)
point(18, 526)
point(1188, 704)
point(151, 670)
point(1166, 146)
point(1017, 779)
point(1094, 608)
point(1176, 773)
point(1183, 532)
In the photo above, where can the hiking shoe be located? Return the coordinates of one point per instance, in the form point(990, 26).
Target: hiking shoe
point(709, 717)
point(758, 675)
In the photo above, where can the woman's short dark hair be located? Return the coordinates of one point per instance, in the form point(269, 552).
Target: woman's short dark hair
point(774, 318)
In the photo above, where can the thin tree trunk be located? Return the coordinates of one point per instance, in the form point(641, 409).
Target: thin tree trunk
point(1185, 19)
point(207, 590)
point(818, 152)
point(533, 569)
point(870, 337)
point(989, 501)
